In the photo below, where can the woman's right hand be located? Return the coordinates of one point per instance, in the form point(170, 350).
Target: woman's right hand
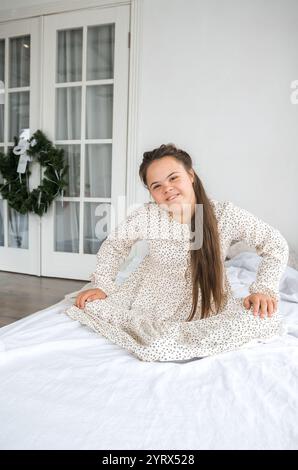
point(89, 295)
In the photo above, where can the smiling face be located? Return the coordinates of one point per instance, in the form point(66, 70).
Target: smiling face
point(170, 184)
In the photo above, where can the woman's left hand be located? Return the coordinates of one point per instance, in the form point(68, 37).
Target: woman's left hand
point(262, 304)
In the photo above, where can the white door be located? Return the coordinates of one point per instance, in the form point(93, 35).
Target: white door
point(19, 109)
point(85, 102)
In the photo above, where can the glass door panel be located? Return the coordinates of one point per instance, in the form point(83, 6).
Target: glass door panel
point(67, 226)
point(100, 52)
point(19, 110)
point(98, 170)
point(69, 55)
point(84, 72)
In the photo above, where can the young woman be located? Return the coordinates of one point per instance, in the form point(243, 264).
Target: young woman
point(178, 303)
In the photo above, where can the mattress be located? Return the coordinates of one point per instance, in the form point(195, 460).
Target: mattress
point(63, 386)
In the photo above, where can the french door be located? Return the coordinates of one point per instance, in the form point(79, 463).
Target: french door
point(83, 102)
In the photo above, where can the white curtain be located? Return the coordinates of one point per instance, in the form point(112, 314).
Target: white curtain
point(98, 125)
point(17, 229)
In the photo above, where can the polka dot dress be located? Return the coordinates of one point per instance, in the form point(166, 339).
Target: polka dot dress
point(147, 313)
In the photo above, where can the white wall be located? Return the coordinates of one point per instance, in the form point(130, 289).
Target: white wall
point(215, 80)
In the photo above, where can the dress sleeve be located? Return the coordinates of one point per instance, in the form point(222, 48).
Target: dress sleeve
point(268, 242)
point(115, 248)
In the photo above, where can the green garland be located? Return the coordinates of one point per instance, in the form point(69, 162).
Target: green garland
point(16, 187)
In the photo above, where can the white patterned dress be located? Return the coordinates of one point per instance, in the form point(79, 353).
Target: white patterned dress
point(147, 313)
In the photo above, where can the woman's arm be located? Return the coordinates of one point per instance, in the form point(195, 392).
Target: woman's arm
point(115, 248)
point(240, 224)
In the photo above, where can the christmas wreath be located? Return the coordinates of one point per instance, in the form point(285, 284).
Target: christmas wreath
point(16, 173)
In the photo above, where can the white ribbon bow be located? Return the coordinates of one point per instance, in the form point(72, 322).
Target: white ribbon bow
point(21, 149)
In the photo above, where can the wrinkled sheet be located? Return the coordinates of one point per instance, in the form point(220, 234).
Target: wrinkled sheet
point(63, 386)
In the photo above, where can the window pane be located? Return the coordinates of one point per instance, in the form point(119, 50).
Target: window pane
point(100, 52)
point(69, 55)
point(98, 170)
point(17, 229)
point(19, 61)
point(99, 112)
point(96, 225)
point(67, 225)
point(18, 113)
point(68, 113)
point(72, 158)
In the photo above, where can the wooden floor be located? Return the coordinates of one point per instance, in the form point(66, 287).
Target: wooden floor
point(22, 294)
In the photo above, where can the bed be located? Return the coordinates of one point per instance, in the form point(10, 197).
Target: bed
point(63, 386)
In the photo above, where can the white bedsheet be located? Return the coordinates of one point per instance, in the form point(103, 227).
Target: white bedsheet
point(65, 387)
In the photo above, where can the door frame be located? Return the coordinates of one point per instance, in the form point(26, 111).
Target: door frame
point(136, 30)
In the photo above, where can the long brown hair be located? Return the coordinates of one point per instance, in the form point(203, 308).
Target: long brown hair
point(206, 264)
